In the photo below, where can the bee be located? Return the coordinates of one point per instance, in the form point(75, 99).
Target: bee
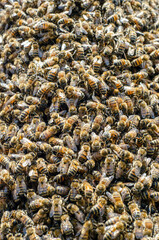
point(75, 211)
point(18, 236)
point(153, 129)
point(62, 80)
point(70, 122)
point(132, 36)
point(113, 18)
point(138, 61)
point(75, 186)
point(73, 168)
point(154, 54)
point(44, 25)
point(122, 63)
point(49, 62)
point(66, 225)
point(109, 166)
point(99, 208)
point(52, 74)
point(114, 231)
point(112, 104)
point(24, 218)
point(29, 145)
point(134, 209)
point(44, 188)
point(34, 51)
point(45, 89)
point(64, 164)
point(4, 161)
point(85, 231)
point(155, 142)
point(24, 116)
point(41, 229)
point(10, 236)
point(145, 111)
point(92, 81)
point(131, 136)
point(20, 188)
point(56, 209)
point(99, 33)
point(40, 215)
point(49, 132)
point(97, 62)
point(79, 52)
point(138, 228)
point(116, 198)
point(74, 92)
point(87, 189)
point(154, 196)
point(18, 14)
point(118, 84)
point(62, 190)
point(23, 164)
point(84, 153)
point(138, 76)
point(41, 166)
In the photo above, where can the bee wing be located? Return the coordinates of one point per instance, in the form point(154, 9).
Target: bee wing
point(26, 163)
point(151, 112)
point(110, 196)
point(25, 140)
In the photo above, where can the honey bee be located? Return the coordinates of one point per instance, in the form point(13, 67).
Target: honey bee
point(41, 166)
point(18, 236)
point(92, 81)
point(49, 132)
point(113, 18)
point(79, 52)
point(64, 164)
point(75, 211)
point(4, 161)
point(24, 218)
point(75, 186)
point(85, 232)
point(34, 51)
point(66, 225)
point(112, 103)
point(130, 136)
point(116, 198)
point(44, 188)
point(10, 236)
point(20, 189)
point(87, 189)
point(24, 116)
point(45, 89)
point(40, 215)
point(84, 153)
point(99, 33)
point(145, 111)
point(56, 209)
point(138, 228)
point(29, 145)
point(53, 73)
point(114, 231)
point(17, 13)
point(134, 209)
point(41, 229)
point(23, 164)
point(73, 168)
point(109, 165)
point(97, 62)
point(138, 61)
point(99, 208)
point(122, 63)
